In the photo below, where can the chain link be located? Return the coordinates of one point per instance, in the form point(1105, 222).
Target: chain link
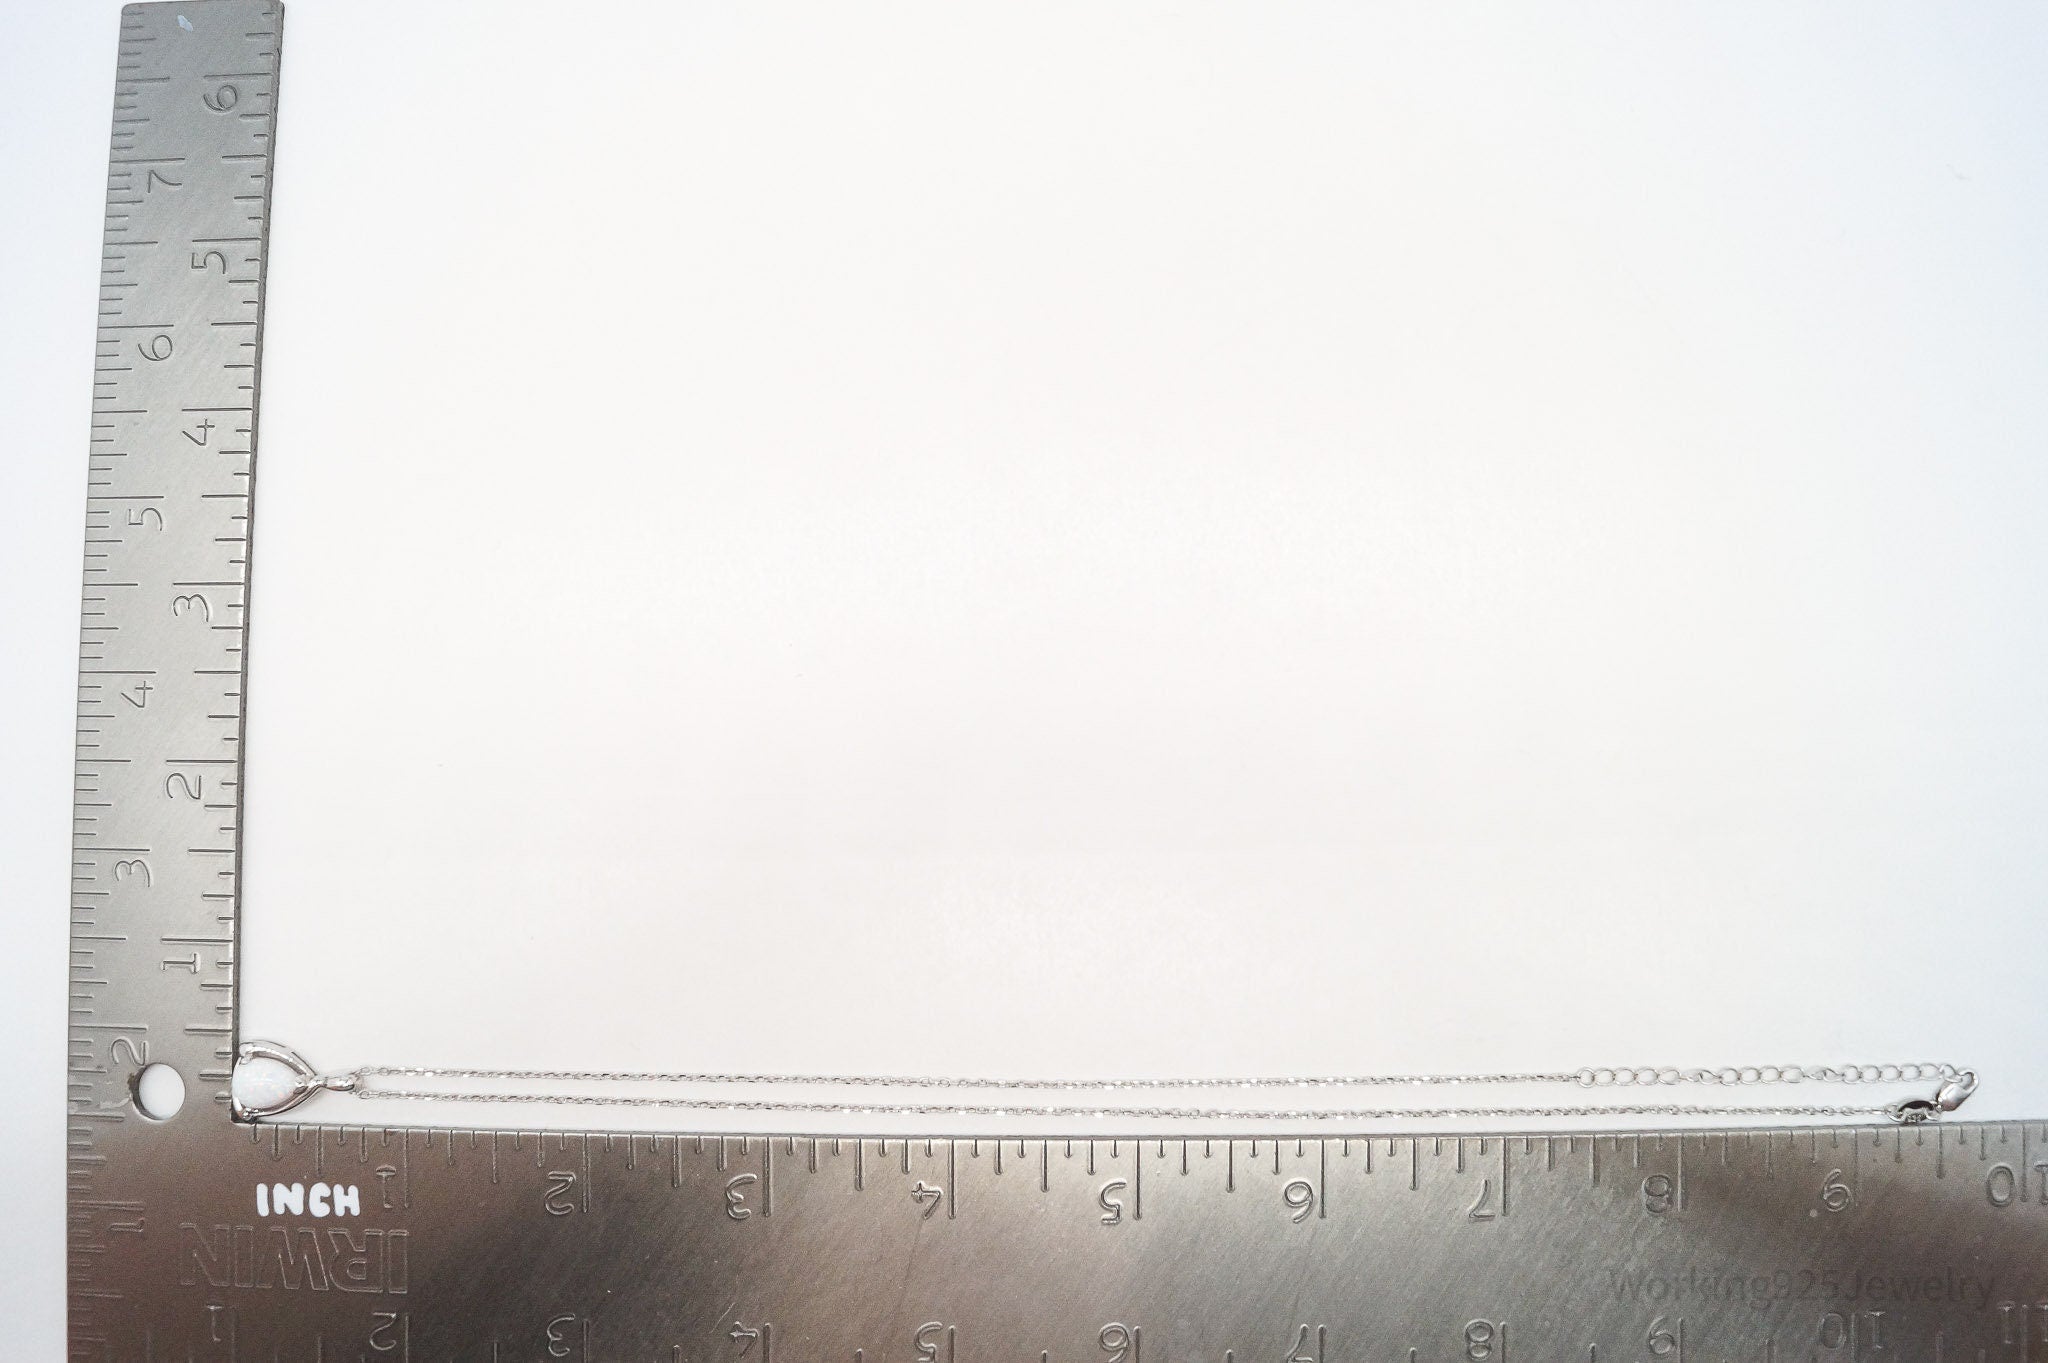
point(1909, 1073)
point(360, 1083)
point(986, 1096)
point(1604, 1077)
point(1135, 1112)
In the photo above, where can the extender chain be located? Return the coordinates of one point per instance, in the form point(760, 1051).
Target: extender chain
point(256, 1096)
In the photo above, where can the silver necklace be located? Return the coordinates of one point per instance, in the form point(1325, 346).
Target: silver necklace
point(257, 1095)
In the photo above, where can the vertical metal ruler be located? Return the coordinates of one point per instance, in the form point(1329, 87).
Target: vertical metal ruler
point(157, 819)
point(197, 1238)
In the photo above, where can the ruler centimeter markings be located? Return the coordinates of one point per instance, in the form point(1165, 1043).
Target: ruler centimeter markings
point(199, 1239)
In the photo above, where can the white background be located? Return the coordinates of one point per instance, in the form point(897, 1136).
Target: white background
point(1099, 540)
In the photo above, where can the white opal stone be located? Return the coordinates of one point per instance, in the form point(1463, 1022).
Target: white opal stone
point(261, 1084)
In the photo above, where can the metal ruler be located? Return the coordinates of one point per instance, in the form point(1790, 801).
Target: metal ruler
point(200, 1239)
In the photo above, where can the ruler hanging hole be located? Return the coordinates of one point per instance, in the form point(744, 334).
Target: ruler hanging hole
point(159, 1092)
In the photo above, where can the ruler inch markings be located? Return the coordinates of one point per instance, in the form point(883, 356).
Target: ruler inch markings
point(179, 170)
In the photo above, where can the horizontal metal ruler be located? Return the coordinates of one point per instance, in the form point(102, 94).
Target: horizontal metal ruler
point(198, 1238)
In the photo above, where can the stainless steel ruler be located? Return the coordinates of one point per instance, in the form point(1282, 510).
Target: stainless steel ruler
point(197, 1238)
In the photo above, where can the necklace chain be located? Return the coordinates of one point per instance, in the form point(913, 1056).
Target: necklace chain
point(1955, 1085)
point(1604, 1077)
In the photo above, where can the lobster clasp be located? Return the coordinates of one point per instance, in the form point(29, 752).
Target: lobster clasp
point(1952, 1094)
point(253, 1095)
point(1956, 1091)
